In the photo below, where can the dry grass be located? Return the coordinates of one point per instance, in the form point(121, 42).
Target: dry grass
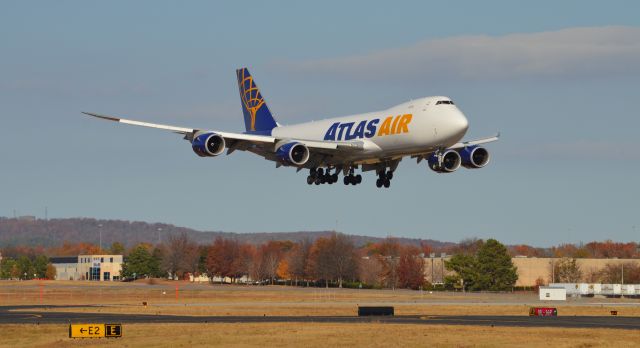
point(322, 335)
point(203, 299)
point(226, 300)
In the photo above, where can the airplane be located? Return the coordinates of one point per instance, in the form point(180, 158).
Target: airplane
point(429, 129)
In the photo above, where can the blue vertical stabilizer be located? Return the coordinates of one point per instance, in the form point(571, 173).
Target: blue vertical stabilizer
point(257, 117)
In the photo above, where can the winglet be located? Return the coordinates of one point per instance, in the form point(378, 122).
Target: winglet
point(104, 117)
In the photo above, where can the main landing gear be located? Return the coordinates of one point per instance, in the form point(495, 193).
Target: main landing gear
point(323, 176)
point(352, 179)
point(320, 176)
point(384, 179)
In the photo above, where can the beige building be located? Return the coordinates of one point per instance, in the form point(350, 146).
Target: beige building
point(530, 269)
point(88, 267)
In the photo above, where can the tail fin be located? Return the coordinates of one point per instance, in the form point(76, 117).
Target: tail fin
point(257, 117)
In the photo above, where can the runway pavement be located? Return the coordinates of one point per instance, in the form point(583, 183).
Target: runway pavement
point(36, 315)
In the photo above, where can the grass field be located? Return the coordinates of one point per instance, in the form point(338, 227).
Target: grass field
point(321, 335)
point(204, 299)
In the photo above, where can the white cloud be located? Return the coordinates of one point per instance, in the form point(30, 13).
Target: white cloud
point(573, 52)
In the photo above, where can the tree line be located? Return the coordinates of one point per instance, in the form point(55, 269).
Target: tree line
point(328, 261)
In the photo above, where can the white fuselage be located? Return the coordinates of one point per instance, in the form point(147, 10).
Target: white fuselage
point(415, 127)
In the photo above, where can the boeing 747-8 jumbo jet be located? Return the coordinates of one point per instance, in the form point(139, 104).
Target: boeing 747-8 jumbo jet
point(426, 129)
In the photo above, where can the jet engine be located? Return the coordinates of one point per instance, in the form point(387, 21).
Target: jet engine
point(208, 144)
point(474, 157)
point(293, 153)
point(450, 162)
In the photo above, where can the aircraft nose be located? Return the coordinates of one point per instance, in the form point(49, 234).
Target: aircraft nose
point(463, 123)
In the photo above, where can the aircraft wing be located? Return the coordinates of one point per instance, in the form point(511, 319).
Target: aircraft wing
point(240, 141)
point(475, 142)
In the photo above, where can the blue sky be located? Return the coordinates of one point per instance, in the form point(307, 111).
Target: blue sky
point(559, 80)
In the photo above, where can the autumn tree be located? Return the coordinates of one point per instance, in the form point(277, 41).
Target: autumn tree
point(390, 250)
point(50, 273)
point(224, 259)
point(297, 260)
point(370, 270)
point(615, 273)
point(333, 259)
point(411, 268)
point(566, 270)
point(181, 255)
point(267, 259)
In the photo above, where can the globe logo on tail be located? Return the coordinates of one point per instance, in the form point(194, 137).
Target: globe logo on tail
point(251, 97)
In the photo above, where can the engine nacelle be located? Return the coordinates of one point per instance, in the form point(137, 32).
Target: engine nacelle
point(474, 157)
point(208, 144)
point(450, 162)
point(293, 153)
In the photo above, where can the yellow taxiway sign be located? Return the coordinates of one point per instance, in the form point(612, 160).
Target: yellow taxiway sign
point(95, 330)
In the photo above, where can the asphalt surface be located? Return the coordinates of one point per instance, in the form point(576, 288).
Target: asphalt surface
point(36, 315)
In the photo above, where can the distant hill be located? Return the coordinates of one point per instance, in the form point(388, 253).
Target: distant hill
point(48, 233)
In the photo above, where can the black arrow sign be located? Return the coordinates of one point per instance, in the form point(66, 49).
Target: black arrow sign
point(83, 330)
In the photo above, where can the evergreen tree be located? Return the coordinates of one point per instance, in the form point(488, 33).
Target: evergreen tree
point(496, 272)
point(117, 248)
point(465, 267)
point(140, 262)
point(25, 268)
point(40, 266)
point(490, 268)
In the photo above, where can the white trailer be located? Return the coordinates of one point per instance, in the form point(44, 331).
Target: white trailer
point(549, 293)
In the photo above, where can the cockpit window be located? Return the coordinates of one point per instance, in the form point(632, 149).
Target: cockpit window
point(444, 102)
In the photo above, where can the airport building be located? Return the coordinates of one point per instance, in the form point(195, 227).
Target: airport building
point(88, 267)
point(530, 269)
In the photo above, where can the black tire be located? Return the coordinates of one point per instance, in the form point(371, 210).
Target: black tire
point(379, 183)
point(358, 179)
point(320, 172)
point(310, 180)
point(317, 181)
point(335, 177)
point(346, 180)
point(389, 175)
point(387, 183)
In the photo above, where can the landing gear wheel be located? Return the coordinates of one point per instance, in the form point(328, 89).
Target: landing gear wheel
point(334, 177)
point(328, 178)
point(310, 180)
point(358, 179)
point(379, 183)
point(389, 175)
point(346, 180)
point(317, 180)
point(387, 183)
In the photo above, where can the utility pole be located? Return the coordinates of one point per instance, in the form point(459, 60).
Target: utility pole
point(100, 236)
point(553, 271)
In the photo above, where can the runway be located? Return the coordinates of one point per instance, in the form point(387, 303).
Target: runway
point(35, 315)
